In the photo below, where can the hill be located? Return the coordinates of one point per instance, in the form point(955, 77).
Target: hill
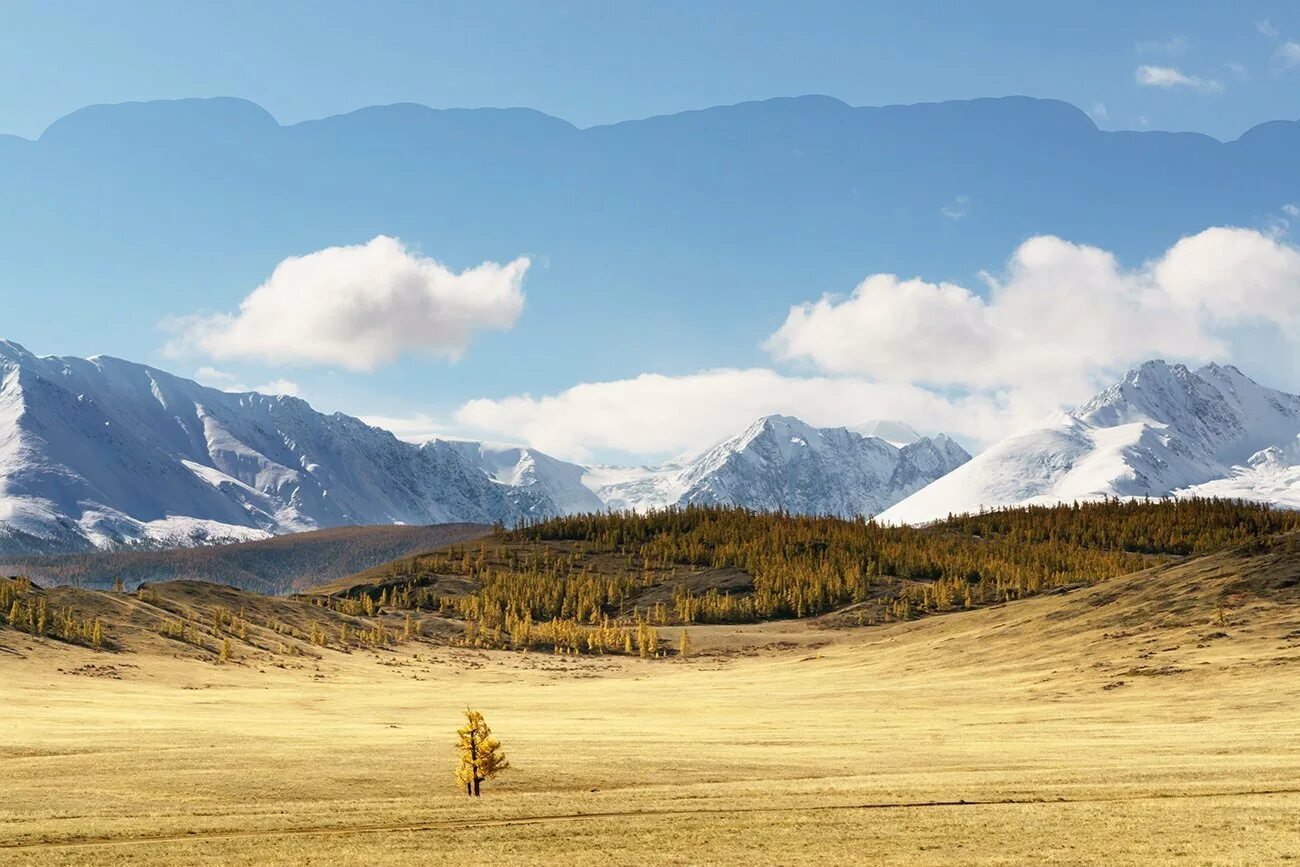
point(1146, 718)
point(278, 565)
point(608, 582)
point(613, 583)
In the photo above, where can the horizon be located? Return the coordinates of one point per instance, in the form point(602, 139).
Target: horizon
point(806, 366)
point(670, 113)
point(767, 211)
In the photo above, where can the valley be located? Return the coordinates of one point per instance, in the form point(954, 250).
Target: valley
point(1147, 716)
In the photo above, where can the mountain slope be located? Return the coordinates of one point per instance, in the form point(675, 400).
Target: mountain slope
point(1163, 429)
point(782, 463)
point(103, 452)
point(279, 565)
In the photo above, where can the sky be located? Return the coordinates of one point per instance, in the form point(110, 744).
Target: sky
point(1209, 67)
point(974, 317)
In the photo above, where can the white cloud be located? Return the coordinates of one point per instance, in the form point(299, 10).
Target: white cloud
point(358, 307)
point(1266, 29)
point(1098, 111)
point(1060, 322)
point(1291, 210)
point(1169, 77)
point(656, 416)
point(1232, 276)
point(1063, 318)
point(1289, 53)
point(957, 208)
point(215, 378)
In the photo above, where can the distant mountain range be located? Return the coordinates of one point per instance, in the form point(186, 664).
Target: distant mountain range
point(103, 453)
point(1162, 430)
point(781, 463)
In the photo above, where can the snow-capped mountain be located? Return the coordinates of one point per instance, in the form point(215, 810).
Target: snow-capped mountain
point(103, 452)
point(536, 483)
point(1163, 429)
point(782, 463)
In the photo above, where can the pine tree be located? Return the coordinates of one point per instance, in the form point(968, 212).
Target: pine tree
point(225, 650)
point(684, 645)
point(481, 756)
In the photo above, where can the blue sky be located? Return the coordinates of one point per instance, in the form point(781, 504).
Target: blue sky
point(598, 62)
point(638, 292)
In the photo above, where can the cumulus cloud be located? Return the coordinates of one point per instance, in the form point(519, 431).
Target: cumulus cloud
point(358, 307)
point(1060, 321)
point(215, 378)
point(1266, 29)
point(1289, 53)
point(653, 415)
point(1062, 316)
point(1233, 276)
point(1169, 77)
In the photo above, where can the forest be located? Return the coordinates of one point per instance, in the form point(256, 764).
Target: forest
point(603, 583)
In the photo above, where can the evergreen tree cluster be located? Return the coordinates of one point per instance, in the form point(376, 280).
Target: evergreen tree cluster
point(575, 584)
point(24, 609)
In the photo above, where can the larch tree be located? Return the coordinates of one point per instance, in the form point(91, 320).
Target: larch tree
point(481, 756)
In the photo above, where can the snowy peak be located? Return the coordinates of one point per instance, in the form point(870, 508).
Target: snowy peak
point(780, 462)
point(102, 452)
point(892, 431)
point(1162, 429)
point(538, 484)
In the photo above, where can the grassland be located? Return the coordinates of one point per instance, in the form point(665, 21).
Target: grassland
point(1149, 718)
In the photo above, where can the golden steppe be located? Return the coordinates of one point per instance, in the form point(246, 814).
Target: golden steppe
point(1148, 719)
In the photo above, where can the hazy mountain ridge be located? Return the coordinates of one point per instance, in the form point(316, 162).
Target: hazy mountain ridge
point(213, 192)
point(1162, 430)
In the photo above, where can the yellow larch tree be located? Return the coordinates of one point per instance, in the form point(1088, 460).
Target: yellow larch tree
point(481, 756)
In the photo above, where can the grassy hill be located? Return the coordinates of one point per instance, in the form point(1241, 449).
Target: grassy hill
point(626, 584)
point(1145, 718)
point(599, 582)
point(279, 565)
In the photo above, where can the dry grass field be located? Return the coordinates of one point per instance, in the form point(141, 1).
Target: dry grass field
point(1148, 719)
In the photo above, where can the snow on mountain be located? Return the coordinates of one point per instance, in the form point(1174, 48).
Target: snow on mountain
point(102, 452)
point(1163, 429)
point(537, 484)
point(892, 431)
point(782, 463)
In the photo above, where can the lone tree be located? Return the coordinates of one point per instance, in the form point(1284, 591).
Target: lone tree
point(481, 756)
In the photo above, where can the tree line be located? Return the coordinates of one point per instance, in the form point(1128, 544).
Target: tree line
point(576, 584)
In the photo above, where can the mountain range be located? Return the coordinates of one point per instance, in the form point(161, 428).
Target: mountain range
point(1162, 430)
point(105, 453)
